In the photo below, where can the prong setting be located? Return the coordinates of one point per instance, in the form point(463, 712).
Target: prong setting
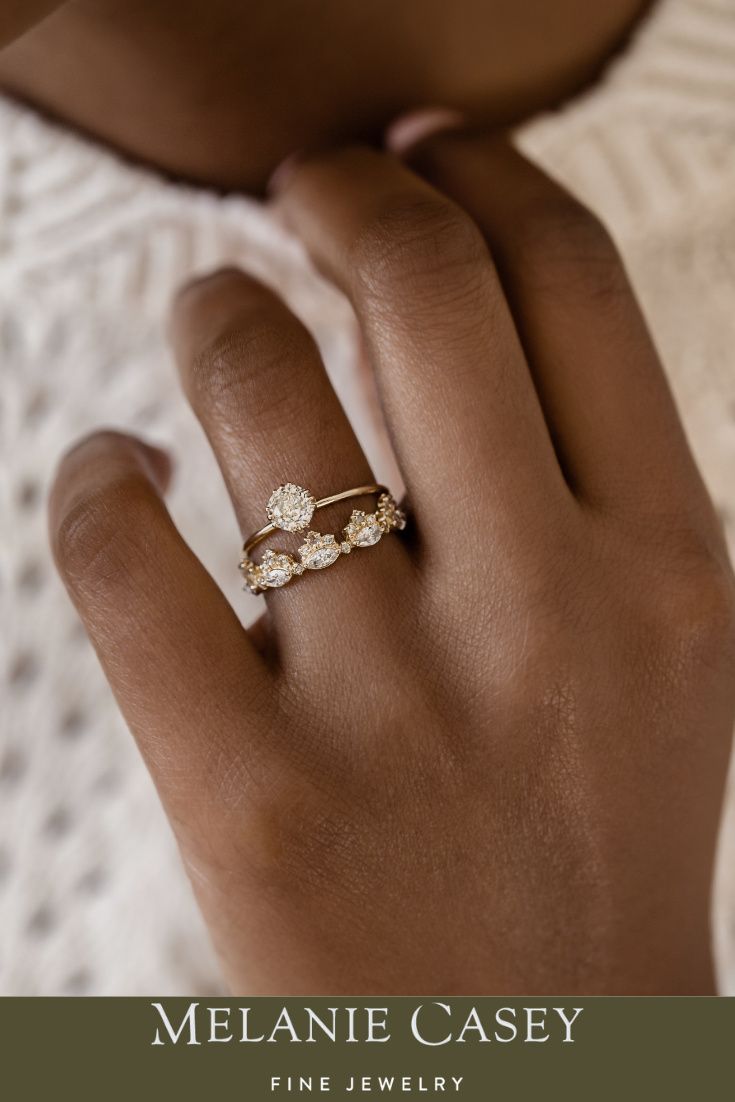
point(290, 508)
point(318, 551)
point(363, 529)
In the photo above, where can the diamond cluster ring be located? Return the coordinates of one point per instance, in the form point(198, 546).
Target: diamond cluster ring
point(290, 508)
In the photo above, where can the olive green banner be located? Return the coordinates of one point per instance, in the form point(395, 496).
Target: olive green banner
point(337, 1048)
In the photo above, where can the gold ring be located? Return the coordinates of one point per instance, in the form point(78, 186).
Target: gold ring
point(290, 509)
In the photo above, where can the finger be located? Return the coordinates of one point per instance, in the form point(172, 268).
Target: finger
point(257, 384)
point(173, 650)
point(465, 418)
point(596, 370)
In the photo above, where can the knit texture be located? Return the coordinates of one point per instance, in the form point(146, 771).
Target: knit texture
point(92, 895)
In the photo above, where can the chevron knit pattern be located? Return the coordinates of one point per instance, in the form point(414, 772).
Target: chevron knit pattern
point(92, 897)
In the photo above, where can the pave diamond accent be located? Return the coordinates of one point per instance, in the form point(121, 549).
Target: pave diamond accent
point(290, 507)
point(389, 515)
point(317, 551)
point(250, 571)
point(363, 529)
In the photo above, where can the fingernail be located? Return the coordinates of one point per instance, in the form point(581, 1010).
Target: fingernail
point(409, 129)
point(280, 177)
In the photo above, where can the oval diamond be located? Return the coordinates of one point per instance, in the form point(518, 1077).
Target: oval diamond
point(290, 507)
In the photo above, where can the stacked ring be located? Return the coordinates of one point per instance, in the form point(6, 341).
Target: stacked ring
point(290, 508)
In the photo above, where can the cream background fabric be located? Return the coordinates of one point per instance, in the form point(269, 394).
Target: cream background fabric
point(92, 898)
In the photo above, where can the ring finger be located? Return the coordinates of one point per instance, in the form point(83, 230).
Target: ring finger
point(256, 382)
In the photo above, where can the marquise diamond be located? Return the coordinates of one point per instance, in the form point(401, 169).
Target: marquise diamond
point(317, 551)
point(275, 569)
point(364, 529)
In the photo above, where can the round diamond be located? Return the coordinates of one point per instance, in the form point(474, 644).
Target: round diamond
point(363, 529)
point(317, 551)
point(290, 507)
point(275, 569)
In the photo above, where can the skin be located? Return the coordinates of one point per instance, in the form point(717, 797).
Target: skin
point(221, 92)
point(488, 755)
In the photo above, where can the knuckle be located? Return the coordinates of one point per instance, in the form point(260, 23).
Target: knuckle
point(697, 606)
point(248, 366)
point(687, 609)
point(560, 243)
point(101, 535)
point(415, 240)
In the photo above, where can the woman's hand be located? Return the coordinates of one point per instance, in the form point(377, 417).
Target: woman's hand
point(485, 757)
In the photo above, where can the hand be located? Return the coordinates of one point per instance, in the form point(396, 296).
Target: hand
point(484, 758)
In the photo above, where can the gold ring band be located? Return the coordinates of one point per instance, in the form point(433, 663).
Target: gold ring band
point(290, 508)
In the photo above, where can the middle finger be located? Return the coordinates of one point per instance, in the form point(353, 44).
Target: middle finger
point(257, 384)
point(458, 396)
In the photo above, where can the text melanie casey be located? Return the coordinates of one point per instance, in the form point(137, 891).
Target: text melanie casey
point(430, 1023)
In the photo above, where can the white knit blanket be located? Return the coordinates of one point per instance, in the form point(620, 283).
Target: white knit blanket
point(92, 897)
